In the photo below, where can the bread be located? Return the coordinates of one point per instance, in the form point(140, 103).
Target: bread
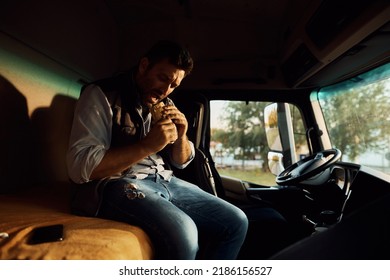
point(156, 111)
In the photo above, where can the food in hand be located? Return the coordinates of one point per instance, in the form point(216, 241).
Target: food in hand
point(157, 111)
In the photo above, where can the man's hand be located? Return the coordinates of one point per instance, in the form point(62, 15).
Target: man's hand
point(171, 129)
point(118, 159)
point(161, 134)
point(181, 149)
point(178, 118)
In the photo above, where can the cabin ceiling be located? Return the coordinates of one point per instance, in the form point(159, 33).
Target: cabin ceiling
point(216, 30)
point(235, 43)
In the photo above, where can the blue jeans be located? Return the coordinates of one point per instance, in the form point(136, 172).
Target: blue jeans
point(183, 221)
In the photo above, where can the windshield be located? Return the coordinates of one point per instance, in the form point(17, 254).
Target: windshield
point(357, 116)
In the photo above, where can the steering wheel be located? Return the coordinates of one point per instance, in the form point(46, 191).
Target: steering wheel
point(308, 167)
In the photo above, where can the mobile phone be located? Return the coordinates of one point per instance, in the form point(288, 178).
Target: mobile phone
point(45, 234)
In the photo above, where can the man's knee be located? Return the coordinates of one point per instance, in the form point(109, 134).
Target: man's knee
point(241, 220)
point(185, 239)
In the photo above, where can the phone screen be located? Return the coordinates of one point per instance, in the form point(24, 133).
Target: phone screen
point(47, 234)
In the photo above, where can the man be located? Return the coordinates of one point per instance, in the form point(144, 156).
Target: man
point(114, 147)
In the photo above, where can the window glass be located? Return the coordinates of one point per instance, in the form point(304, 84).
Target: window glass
point(238, 141)
point(357, 116)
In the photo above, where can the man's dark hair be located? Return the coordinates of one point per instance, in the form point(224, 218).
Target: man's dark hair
point(175, 53)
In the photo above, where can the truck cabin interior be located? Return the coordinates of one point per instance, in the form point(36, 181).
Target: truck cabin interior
point(50, 49)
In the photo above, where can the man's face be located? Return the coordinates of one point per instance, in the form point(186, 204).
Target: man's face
point(157, 82)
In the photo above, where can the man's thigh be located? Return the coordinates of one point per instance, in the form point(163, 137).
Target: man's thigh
point(142, 202)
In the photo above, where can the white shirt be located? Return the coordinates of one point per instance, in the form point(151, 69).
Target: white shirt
point(90, 139)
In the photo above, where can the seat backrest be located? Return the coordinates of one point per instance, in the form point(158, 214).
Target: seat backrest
point(52, 126)
point(16, 139)
point(34, 146)
point(200, 171)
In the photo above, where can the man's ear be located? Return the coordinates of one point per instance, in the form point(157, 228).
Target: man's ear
point(143, 65)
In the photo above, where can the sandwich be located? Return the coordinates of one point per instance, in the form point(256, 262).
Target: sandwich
point(157, 111)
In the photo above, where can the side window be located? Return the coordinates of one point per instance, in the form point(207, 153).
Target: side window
point(238, 141)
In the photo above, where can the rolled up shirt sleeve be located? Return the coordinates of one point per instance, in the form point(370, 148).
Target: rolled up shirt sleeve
point(90, 136)
point(184, 165)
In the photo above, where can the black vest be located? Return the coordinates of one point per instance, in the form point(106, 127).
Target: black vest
point(121, 93)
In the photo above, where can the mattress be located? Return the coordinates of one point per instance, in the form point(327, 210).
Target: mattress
point(84, 238)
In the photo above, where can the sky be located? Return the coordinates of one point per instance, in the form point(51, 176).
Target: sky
point(217, 109)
